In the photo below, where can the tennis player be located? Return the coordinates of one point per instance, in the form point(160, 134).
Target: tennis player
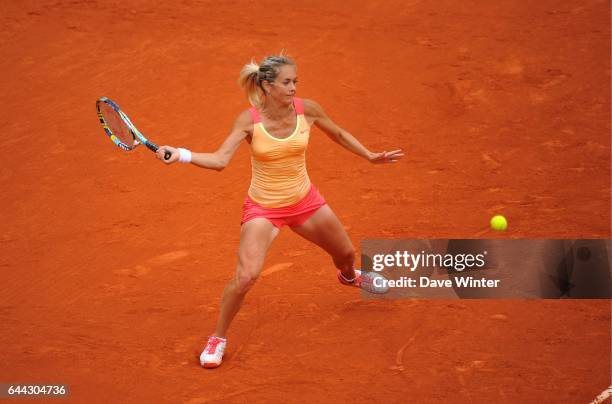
point(277, 129)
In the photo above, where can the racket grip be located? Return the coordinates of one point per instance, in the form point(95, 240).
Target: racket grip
point(154, 147)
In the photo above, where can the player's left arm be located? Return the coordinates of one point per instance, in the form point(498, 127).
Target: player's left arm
point(320, 119)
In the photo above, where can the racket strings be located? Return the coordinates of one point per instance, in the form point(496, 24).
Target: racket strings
point(120, 132)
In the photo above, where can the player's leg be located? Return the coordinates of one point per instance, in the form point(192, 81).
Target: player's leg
point(256, 236)
point(325, 230)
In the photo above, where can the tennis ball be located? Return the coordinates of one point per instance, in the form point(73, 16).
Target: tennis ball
point(499, 223)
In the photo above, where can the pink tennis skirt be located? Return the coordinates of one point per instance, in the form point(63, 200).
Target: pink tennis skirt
point(292, 215)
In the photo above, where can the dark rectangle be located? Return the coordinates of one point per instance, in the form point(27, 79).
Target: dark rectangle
point(477, 269)
point(34, 390)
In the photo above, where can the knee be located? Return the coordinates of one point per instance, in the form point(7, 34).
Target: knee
point(245, 279)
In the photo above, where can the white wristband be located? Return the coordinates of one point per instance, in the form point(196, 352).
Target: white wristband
point(184, 155)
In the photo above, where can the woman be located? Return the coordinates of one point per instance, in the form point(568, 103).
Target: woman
point(277, 129)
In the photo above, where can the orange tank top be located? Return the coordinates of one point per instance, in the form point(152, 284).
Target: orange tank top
point(279, 176)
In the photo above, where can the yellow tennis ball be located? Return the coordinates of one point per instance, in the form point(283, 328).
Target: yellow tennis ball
point(499, 223)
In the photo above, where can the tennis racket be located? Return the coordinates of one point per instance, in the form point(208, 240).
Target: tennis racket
point(120, 129)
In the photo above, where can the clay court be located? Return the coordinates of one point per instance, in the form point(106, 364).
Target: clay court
point(113, 264)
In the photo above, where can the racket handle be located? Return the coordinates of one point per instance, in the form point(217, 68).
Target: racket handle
point(154, 147)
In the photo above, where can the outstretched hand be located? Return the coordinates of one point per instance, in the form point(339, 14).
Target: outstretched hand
point(386, 157)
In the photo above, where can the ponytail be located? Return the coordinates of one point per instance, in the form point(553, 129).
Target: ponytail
point(249, 81)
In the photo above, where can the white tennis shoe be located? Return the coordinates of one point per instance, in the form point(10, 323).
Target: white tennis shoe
point(212, 355)
point(366, 281)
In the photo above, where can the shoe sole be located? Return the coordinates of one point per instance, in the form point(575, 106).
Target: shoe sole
point(211, 365)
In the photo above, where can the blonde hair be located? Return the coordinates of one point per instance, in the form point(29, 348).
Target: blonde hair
point(253, 75)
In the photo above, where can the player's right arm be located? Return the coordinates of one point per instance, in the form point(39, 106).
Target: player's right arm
point(218, 160)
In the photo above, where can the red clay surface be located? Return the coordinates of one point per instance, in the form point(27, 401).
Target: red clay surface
point(113, 264)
